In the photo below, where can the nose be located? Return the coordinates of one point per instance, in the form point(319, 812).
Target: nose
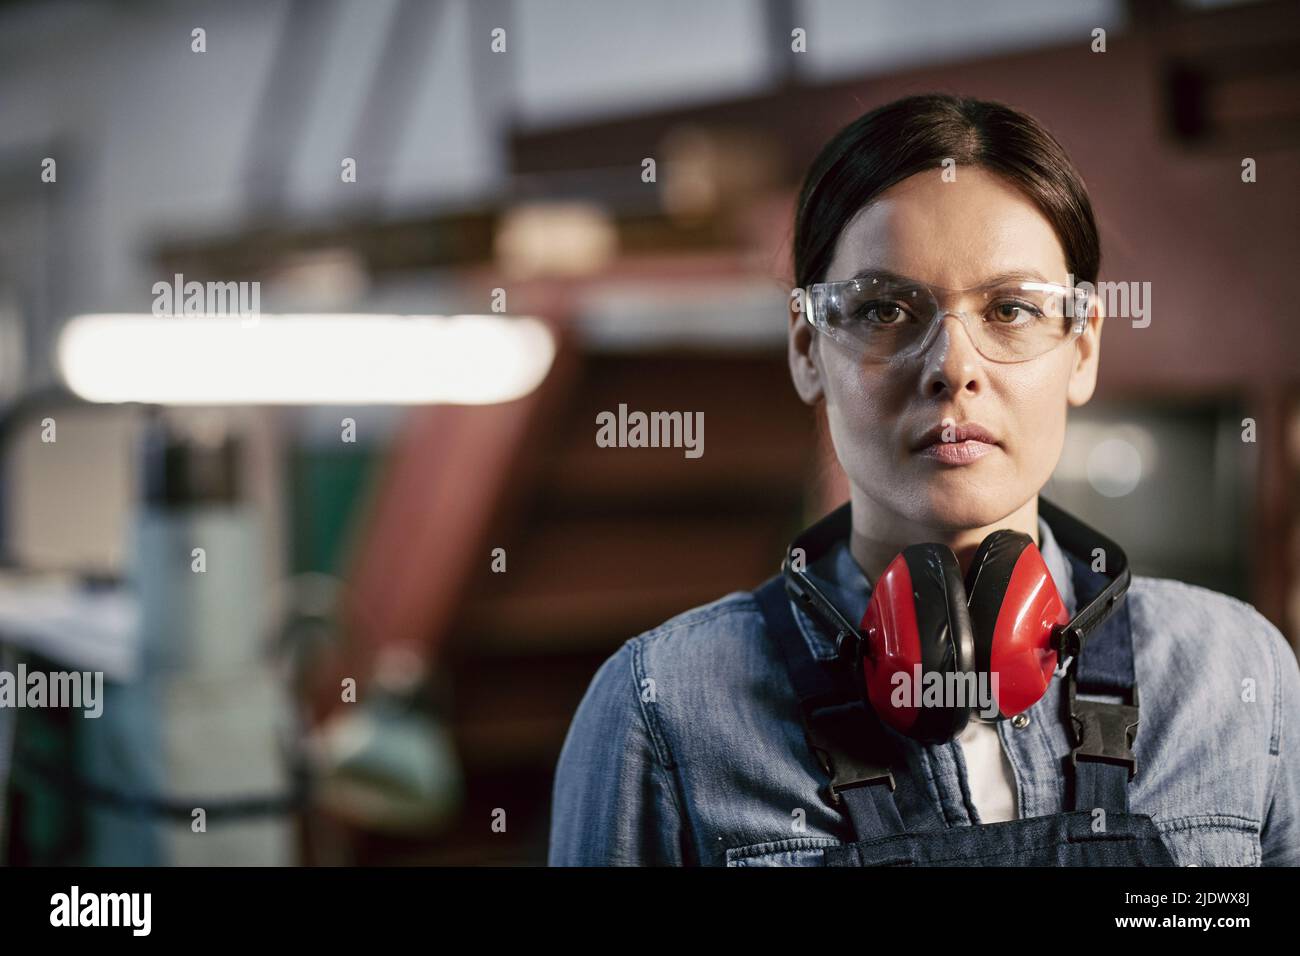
point(950, 363)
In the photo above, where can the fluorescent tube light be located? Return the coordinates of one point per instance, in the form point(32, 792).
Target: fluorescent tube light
point(304, 359)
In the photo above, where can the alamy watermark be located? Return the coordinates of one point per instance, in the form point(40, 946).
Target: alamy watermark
point(1123, 300)
point(178, 297)
point(978, 691)
point(651, 430)
point(79, 689)
point(75, 908)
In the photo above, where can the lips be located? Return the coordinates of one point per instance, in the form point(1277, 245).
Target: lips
point(969, 431)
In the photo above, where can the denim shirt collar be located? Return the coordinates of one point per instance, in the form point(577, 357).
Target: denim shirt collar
point(840, 577)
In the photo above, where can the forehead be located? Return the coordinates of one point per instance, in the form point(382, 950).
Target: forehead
point(950, 234)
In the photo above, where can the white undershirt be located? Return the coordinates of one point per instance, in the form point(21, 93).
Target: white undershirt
point(988, 772)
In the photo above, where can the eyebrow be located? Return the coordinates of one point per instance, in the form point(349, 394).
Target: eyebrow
point(1023, 275)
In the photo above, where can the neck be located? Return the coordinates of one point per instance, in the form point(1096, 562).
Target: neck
point(878, 535)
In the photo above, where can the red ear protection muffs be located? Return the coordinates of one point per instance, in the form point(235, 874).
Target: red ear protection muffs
point(929, 632)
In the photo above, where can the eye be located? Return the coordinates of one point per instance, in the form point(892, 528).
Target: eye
point(882, 312)
point(1015, 312)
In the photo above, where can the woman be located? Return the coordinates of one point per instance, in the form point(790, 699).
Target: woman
point(940, 246)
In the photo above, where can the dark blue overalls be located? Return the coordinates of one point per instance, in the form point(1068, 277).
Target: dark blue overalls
point(895, 822)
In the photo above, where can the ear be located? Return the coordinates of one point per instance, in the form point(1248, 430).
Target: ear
point(802, 352)
point(1083, 373)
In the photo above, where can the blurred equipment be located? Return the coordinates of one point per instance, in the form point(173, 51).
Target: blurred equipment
point(385, 761)
point(389, 763)
point(180, 748)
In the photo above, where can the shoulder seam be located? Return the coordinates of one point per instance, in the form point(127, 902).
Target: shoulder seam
point(1275, 739)
point(664, 761)
point(650, 722)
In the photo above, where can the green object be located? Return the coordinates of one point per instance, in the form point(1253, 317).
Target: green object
point(326, 489)
point(45, 814)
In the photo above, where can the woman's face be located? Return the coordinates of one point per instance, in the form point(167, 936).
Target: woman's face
point(952, 235)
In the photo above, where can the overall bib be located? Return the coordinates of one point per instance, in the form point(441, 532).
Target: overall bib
point(894, 821)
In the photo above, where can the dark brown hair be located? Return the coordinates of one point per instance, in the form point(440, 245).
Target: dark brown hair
point(917, 133)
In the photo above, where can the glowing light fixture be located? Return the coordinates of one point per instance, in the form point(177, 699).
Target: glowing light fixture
point(304, 359)
point(555, 238)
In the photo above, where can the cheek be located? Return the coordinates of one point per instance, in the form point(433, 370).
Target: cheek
point(1035, 405)
point(862, 409)
point(856, 399)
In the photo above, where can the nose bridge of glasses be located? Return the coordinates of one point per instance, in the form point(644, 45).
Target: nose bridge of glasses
point(936, 324)
point(958, 302)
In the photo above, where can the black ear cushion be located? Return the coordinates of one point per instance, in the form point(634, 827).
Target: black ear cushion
point(986, 586)
point(947, 639)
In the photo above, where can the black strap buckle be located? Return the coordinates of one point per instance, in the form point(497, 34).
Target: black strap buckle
point(845, 768)
point(1104, 731)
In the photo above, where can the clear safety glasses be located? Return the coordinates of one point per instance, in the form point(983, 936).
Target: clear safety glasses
point(883, 316)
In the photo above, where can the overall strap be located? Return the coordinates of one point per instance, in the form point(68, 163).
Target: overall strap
point(847, 740)
point(1104, 729)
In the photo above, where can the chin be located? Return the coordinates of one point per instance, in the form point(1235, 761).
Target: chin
point(952, 508)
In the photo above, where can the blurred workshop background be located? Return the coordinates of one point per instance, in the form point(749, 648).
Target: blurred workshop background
point(350, 624)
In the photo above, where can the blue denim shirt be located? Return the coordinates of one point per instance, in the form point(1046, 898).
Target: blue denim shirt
point(687, 747)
